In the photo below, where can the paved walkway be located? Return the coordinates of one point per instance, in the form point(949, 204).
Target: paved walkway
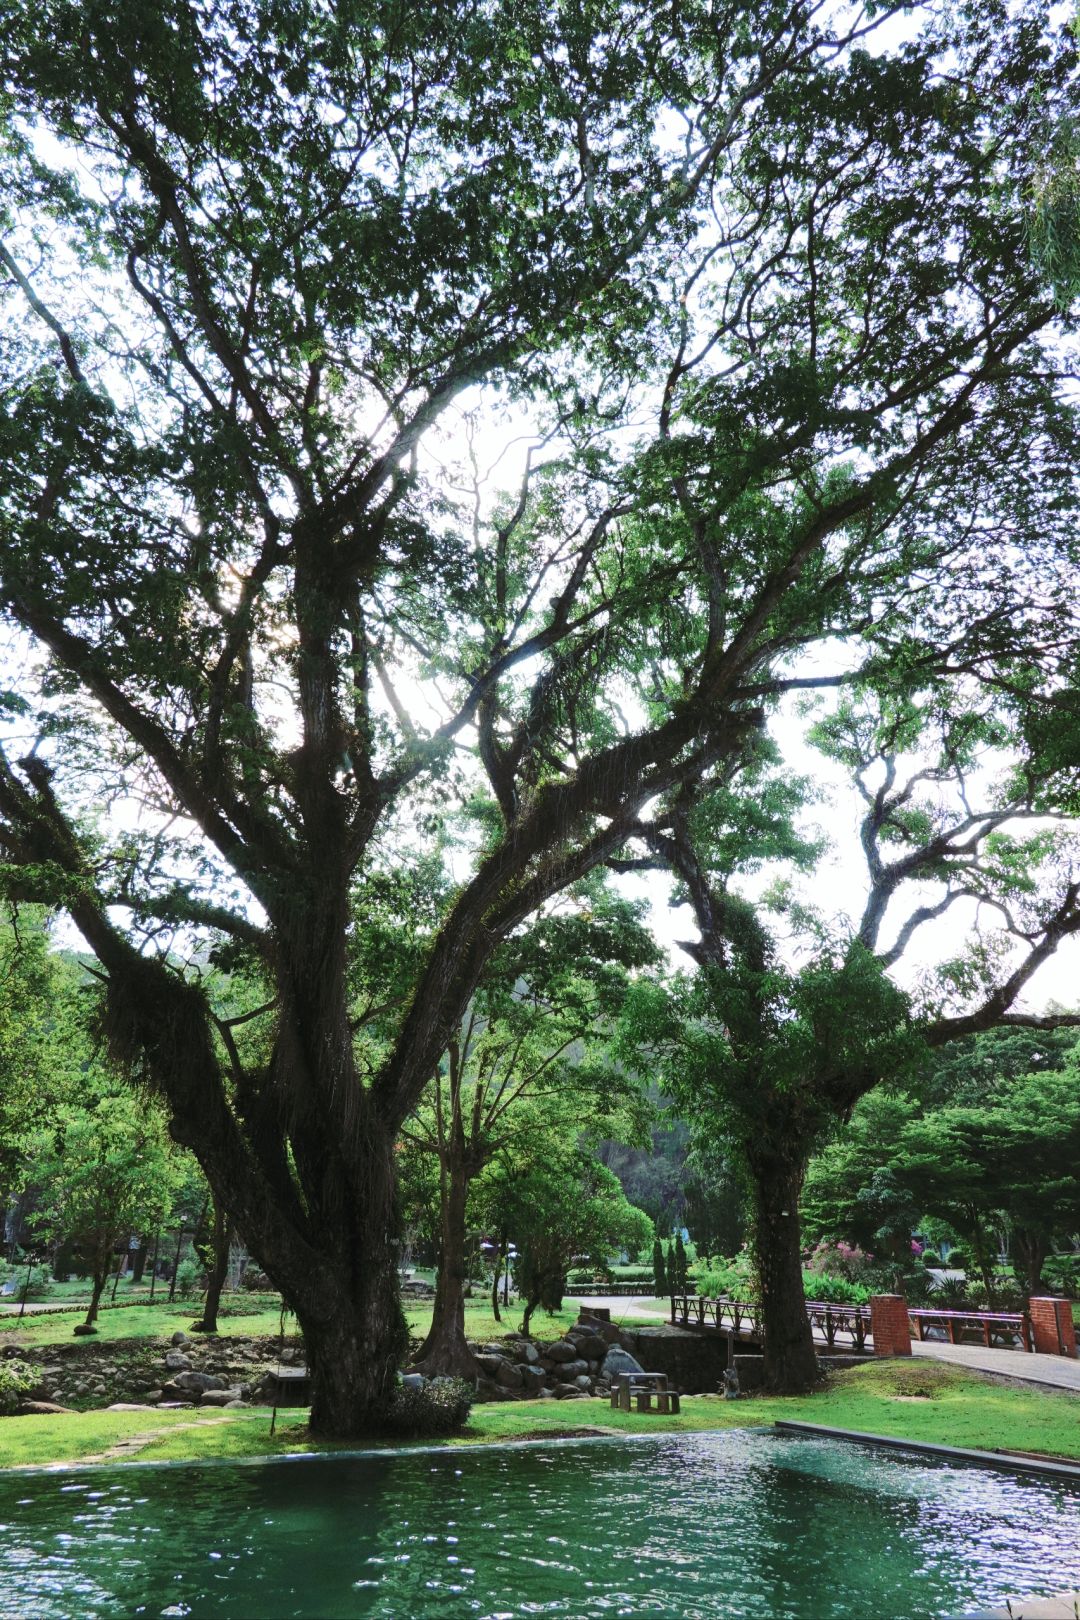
point(1061, 1372)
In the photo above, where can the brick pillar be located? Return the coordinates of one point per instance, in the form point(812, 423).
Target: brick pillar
point(889, 1325)
point(1052, 1326)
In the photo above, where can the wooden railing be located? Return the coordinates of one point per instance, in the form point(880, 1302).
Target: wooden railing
point(849, 1326)
point(727, 1315)
point(1008, 1330)
point(846, 1326)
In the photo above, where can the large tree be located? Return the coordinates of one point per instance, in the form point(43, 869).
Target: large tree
point(250, 264)
point(793, 1017)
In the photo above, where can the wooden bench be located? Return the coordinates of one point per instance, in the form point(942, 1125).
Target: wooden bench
point(641, 1388)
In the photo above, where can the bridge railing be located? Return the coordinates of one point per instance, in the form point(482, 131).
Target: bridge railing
point(1007, 1330)
point(728, 1315)
point(843, 1326)
point(850, 1326)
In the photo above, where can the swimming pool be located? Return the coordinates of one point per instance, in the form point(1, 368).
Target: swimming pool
point(744, 1523)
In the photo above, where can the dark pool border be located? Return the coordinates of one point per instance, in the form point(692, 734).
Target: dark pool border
point(1004, 1461)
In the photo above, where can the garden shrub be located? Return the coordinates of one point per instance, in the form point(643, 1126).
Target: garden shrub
point(17, 1378)
point(952, 1295)
point(439, 1408)
point(1062, 1273)
point(958, 1258)
point(189, 1277)
point(841, 1260)
point(1008, 1295)
point(734, 1278)
point(931, 1258)
point(916, 1285)
point(829, 1290)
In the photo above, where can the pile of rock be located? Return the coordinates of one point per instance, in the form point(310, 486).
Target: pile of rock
point(189, 1387)
point(581, 1364)
point(203, 1372)
point(74, 1375)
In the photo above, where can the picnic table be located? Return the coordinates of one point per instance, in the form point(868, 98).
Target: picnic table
point(640, 1387)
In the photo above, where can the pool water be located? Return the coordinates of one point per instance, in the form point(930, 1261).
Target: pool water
point(738, 1524)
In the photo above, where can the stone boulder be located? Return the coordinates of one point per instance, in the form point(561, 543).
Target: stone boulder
point(178, 1338)
point(219, 1397)
point(619, 1360)
point(561, 1350)
point(573, 1369)
point(509, 1376)
point(584, 1383)
point(199, 1381)
point(524, 1351)
point(532, 1379)
point(569, 1392)
point(591, 1346)
point(176, 1361)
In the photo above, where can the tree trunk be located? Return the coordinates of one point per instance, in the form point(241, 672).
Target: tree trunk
point(791, 1366)
point(356, 1342)
point(1031, 1251)
point(101, 1277)
point(138, 1265)
point(176, 1264)
point(982, 1259)
point(301, 1153)
point(121, 1267)
point(445, 1352)
point(215, 1279)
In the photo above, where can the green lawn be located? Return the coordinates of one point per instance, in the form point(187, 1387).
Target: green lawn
point(920, 1402)
point(139, 1322)
point(156, 1321)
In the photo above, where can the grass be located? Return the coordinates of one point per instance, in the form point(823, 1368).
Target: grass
point(136, 1322)
point(911, 1402)
point(157, 1321)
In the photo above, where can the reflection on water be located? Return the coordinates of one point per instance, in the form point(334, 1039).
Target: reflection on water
point(737, 1525)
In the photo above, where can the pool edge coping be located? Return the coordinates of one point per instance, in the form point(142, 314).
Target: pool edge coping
point(1010, 1461)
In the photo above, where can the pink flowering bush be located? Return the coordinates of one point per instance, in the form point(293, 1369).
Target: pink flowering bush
point(841, 1259)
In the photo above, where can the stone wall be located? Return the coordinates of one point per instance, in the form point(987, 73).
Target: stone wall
point(694, 1362)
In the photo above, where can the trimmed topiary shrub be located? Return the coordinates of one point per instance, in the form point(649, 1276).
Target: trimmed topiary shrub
point(439, 1408)
point(931, 1258)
